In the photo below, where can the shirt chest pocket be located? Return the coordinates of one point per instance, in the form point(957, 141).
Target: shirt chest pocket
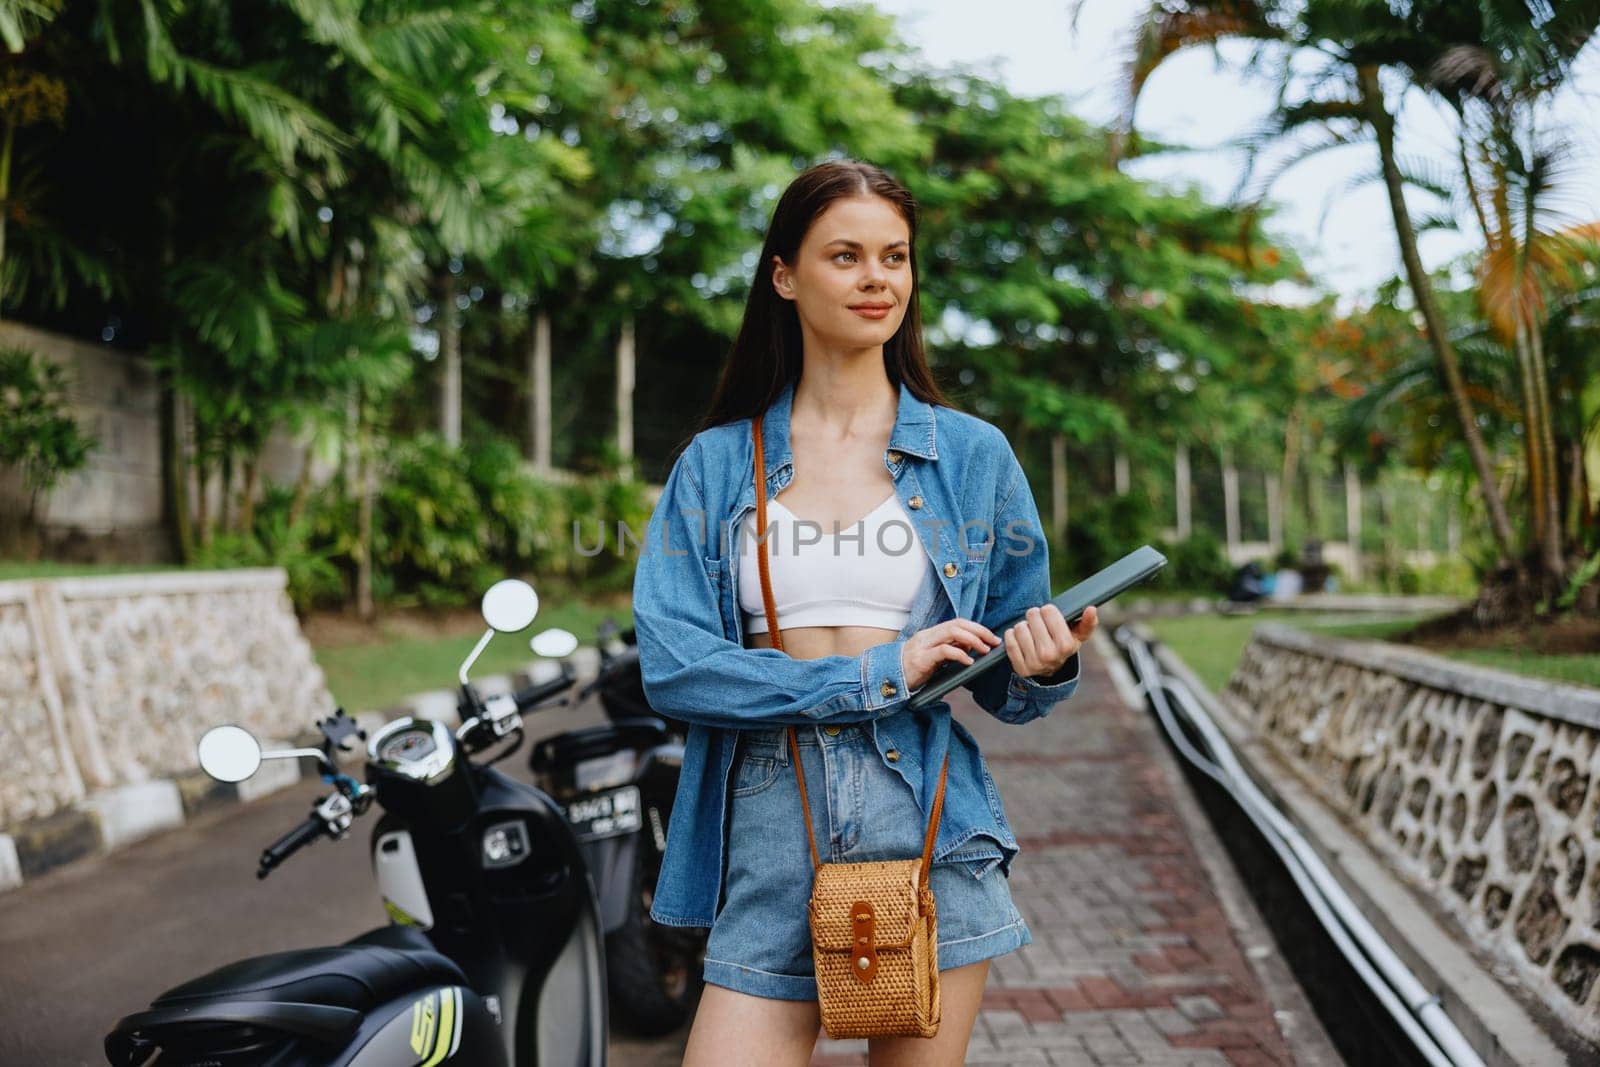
point(978, 547)
point(717, 574)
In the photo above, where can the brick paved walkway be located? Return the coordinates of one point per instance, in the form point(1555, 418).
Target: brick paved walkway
point(1133, 960)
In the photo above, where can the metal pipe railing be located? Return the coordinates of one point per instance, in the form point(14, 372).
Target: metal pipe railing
point(1416, 1011)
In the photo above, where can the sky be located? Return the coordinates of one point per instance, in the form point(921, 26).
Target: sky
point(1340, 227)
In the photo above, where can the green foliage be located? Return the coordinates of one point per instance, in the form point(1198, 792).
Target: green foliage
point(430, 530)
point(1197, 562)
point(314, 578)
point(613, 505)
point(450, 521)
point(1108, 530)
point(1580, 578)
point(519, 509)
point(38, 435)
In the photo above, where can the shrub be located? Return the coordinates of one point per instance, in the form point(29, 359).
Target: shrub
point(314, 578)
point(429, 527)
point(517, 507)
point(1108, 530)
point(38, 435)
point(1197, 562)
point(604, 502)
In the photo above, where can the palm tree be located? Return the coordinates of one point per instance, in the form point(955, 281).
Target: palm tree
point(1351, 42)
point(1509, 169)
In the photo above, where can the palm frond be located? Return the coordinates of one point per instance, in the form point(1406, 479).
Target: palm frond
point(1167, 28)
point(23, 19)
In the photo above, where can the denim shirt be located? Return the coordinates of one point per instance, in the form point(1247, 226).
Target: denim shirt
point(975, 519)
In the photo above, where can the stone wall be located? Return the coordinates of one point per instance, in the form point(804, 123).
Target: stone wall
point(1479, 786)
point(109, 682)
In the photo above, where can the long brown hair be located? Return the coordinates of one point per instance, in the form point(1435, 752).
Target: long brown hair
point(766, 354)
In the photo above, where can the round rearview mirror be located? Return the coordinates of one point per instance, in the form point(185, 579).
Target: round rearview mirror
point(510, 605)
point(554, 643)
point(229, 753)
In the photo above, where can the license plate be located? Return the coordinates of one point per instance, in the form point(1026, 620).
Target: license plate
point(606, 815)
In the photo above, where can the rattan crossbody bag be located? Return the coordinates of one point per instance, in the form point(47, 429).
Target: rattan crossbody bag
point(874, 935)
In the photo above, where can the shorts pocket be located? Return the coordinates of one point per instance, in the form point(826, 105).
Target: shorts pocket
point(759, 767)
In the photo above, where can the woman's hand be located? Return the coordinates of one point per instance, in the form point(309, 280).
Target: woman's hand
point(1042, 642)
point(926, 649)
point(1037, 646)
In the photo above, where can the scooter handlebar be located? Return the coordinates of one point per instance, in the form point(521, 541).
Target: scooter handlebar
point(539, 692)
point(290, 843)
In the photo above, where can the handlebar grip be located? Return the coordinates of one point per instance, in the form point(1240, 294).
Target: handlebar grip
point(289, 844)
point(542, 691)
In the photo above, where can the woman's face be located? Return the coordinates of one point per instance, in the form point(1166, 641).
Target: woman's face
point(851, 279)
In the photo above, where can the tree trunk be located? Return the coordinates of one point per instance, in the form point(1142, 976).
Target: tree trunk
point(1230, 504)
point(302, 488)
point(225, 501)
point(1181, 484)
point(1578, 494)
point(245, 520)
point(624, 397)
point(1274, 511)
point(1438, 337)
point(1532, 453)
point(450, 353)
point(1313, 504)
point(175, 470)
point(1554, 560)
point(1291, 457)
point(1058, 487)
point(1352, 519)
point(5, 193)
point(539, 392)
point(364, 486)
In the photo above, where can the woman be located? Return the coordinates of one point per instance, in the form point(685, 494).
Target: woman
point(899, 531)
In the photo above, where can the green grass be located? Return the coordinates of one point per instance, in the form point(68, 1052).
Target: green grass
point(12, 569)
point(1212, 644)
point(1584, 669)
point(377, 674)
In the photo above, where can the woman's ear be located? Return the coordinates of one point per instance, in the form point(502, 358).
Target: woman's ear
point(782, 281)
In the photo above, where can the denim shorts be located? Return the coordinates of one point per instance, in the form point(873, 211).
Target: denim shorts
point(861, 809)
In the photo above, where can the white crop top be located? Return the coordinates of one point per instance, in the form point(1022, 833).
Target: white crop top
point(866, 576)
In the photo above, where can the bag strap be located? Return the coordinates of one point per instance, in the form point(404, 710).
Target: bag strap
point(777, 642)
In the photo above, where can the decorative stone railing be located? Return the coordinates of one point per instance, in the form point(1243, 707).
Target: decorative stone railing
point(109, 682)
point(1479, 786)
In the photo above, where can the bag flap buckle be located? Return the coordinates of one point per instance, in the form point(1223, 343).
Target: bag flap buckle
point(864, 945)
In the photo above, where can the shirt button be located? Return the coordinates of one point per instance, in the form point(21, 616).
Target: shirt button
point(893, 755)
point(888, 689)
point(894, 457)
point(914, 503)
point(950, 570)
point(831, 731)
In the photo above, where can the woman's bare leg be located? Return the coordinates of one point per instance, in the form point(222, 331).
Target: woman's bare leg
point(960, 997)
point(734, 1029)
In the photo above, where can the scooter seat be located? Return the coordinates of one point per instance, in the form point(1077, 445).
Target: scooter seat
point(315, 994)
point(359, 975)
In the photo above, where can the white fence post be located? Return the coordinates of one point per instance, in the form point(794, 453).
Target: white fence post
point(1182, 477)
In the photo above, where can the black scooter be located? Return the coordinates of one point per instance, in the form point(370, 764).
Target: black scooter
point(617, 782)
point(495, 957)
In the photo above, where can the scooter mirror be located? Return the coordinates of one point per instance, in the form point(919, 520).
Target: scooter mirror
point(229, 753)
point(554, 643)
point(510, 605)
